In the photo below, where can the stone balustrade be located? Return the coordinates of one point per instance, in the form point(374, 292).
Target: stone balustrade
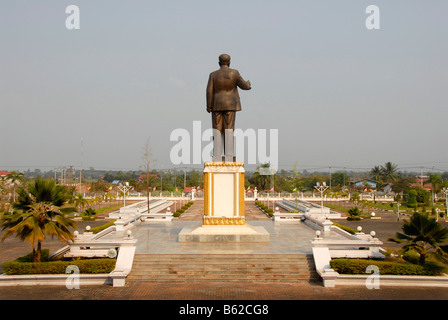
point(363, 246)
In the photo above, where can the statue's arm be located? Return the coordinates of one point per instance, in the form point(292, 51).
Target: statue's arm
point(243, 84)
point(209, 94)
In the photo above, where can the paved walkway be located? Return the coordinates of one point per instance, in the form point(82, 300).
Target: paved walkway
point(208, 290)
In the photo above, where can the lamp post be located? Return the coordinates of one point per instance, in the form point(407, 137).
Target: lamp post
point(445, 191)
point(124, 188)
point(321, 188)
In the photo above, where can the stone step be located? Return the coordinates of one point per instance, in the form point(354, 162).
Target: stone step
point(224, 261)
point(223, 267)
point(286, 278)
point(216, 267)
point(224, 257)
point(222, 270)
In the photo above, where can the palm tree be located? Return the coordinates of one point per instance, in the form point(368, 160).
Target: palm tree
point(80, 202)
point(39, 213)
point(260, 178)
point(15, 177)
point(377, 174)
point(389, 172)
point(110, 197)
point(424, 235)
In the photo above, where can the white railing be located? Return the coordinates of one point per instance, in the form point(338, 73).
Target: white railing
point(360, 246)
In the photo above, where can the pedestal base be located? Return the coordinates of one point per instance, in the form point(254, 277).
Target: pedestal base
point(224, 233)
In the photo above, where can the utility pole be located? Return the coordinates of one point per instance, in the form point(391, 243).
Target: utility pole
point(80, 169)
point(147, 173)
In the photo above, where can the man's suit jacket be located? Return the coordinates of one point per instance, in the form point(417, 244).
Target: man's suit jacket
point(222, 90)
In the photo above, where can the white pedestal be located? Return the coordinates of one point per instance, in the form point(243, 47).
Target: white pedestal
point(224, 219)
point(224, 193)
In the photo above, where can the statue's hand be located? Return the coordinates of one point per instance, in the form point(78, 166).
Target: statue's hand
point(248, 83)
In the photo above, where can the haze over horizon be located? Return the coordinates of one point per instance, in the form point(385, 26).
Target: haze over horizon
point(340, 95)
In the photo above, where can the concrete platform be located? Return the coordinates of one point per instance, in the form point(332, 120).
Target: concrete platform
point(211, 233)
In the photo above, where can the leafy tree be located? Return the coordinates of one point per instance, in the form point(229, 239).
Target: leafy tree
point(39, 213)
point(194, 179)
point(423, 196)
point(402, 183)
point(412, 199)
point(339, 179)
point(436, 182)
point(425, 236)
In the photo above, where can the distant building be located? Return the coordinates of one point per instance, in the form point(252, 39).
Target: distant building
point(188, 190)
point(363, 183)
point(422, 182)
point(3, 174)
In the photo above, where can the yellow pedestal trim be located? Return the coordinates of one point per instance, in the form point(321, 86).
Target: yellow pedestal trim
point(224, 221)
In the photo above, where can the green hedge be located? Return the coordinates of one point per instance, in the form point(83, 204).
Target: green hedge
point(265, 208)
point(102, 227)
point(358, 266)
point(348, 229)
point(178, 212)
point(89, 266)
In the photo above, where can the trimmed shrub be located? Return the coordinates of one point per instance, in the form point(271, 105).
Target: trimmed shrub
point(181, 210)
point(177, 213)
point(354, 214)
point(345, 228)
point(102, 227)
point(359, 266)
point(411, 256)
point(88, 266)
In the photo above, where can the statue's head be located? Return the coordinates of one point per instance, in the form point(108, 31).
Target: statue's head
point(224, 60)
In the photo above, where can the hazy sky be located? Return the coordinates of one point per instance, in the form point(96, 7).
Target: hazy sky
point(339, 94)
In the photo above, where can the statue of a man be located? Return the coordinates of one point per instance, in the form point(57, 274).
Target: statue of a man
point(223, 101)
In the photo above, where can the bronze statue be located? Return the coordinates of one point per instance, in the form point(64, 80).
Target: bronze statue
point(223, 101)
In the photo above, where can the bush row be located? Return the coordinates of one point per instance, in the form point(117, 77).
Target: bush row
point(97, 229)
point(359, 266)
point(348, 229)
point(183, 209)
point(90, 266)
point(265, 208)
